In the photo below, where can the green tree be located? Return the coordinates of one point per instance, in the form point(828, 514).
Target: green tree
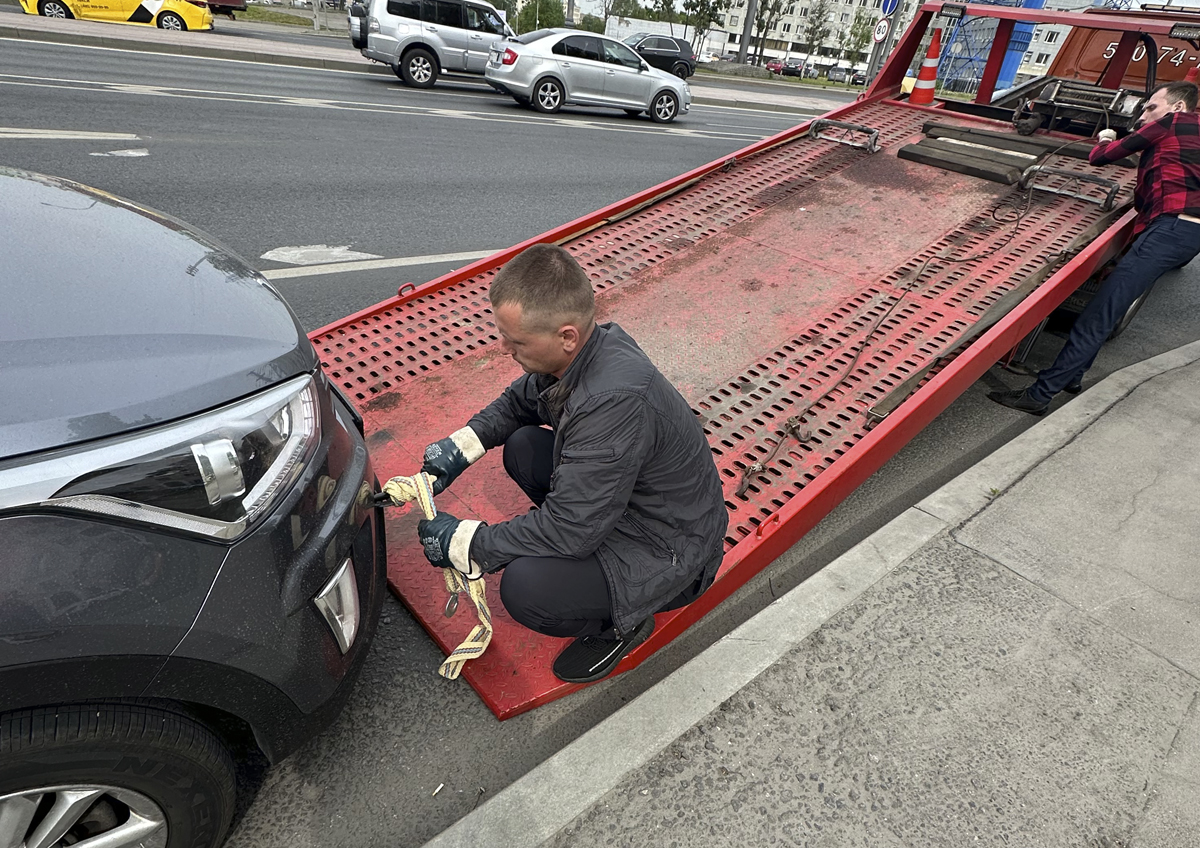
point(858, 35)
point(701, 15)
point(816, 27)
point(666, 12)
point(631, 9)
point(766, 17)
point(540, 14)
point(592, 23)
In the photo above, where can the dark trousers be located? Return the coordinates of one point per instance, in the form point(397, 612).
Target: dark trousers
point(556, 596)
point(1166, 244)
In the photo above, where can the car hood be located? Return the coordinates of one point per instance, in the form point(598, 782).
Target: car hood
point(116, 317)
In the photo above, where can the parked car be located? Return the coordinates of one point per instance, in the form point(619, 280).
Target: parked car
point(673, 55)
point(792, 68)
point(706, 57)
point(859, 78)
point(552, 68)
point(176, 15)
point(420, 39)
point(838, 74)
point(775, 66)
point(192, 562)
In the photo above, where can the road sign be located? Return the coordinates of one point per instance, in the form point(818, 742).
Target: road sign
point(881, 30)
point(889, 6)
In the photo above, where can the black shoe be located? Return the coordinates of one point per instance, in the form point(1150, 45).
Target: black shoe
point(1075, 388)
point(1019, 399)
point(590, 658)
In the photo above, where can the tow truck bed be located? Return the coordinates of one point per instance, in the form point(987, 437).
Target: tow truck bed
point(751, 283)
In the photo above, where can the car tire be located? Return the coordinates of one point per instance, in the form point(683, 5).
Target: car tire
point(1129, 315)
point(633, 113)
point(548, 95)
point(136, 774)
point(54, 9)
point(664, 107)
point(418, 68)
point(171, 21)
point(680, 69)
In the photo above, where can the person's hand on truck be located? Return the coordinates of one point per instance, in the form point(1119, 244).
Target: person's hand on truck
point(1108, 135)
point(446, 458)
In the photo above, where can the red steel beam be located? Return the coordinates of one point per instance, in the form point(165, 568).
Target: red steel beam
point(991, 71)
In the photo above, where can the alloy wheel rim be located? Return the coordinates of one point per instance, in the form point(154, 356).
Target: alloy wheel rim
point(172, 22)
point(664, 106)
point(420, 69)
point(54, 10)
point(87, 814)
point(548, 95)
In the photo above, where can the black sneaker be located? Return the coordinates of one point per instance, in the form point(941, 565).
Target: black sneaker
point(1075, 388)
point(1018, 399)
point(591, 658)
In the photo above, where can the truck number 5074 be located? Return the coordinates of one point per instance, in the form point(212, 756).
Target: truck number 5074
point(1139, 53)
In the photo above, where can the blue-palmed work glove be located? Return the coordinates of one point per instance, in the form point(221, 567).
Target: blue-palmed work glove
point(447, 543)
point(446, 458)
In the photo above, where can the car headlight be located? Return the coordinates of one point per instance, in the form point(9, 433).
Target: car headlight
point(215, 474)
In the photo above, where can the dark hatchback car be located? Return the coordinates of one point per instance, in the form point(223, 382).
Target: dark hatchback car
point(673, 55)
point(191, 566)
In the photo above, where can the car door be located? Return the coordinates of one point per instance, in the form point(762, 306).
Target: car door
point(625, 83)
point(443, 22)
point(579, 60)
point(659, 52)
point(484, 28)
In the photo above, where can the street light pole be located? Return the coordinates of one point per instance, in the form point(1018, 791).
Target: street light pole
point(747, 29)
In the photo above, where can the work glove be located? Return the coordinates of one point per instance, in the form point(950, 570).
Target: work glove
point(446, 458)
point(1108, 135)
point(447, 543)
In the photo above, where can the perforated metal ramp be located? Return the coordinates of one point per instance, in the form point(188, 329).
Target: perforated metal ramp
point(752, 289)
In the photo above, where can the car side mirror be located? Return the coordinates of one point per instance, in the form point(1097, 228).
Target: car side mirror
point(643, 67)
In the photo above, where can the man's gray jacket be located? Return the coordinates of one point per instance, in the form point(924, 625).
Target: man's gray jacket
point(634, 479)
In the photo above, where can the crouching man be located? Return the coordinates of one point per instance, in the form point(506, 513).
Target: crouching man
point(630, 515)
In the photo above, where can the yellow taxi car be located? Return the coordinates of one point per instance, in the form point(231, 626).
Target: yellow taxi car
point(179, 15)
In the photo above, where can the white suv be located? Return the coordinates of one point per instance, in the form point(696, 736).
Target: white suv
point(422, 38)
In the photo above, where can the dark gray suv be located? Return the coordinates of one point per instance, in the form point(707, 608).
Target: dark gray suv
point(191, 565)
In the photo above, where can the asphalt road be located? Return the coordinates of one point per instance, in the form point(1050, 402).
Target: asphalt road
point(264, 157)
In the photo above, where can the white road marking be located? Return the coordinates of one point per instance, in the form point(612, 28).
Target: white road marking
point(140, 151)
point(374, 264)
point(316, 254)
point(96, 86)
point(63, 135)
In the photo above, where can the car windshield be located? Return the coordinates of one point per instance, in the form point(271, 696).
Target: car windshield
point(634, 39)
point(537, 34)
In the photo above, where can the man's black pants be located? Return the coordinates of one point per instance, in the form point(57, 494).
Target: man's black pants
point(557, 596)
point(1166, 243)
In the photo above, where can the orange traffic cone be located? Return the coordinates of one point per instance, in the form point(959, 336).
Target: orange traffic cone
point(922, 93)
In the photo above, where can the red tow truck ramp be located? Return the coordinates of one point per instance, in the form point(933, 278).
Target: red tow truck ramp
point(753, 283)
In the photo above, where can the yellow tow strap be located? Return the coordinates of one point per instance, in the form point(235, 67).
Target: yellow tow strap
point(419, 488)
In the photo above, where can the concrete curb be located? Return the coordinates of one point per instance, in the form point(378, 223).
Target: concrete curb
point(542, 802)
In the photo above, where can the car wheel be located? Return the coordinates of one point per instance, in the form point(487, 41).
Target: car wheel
point(418, 68)
point(664, 107)
point(633, 113)
point(54, 9)
point(548, 95)
point(1128, 317)
point(680, 69)
point(119, 775)
point(171, 21)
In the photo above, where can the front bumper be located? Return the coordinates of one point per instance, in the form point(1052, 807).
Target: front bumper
point(260, 648)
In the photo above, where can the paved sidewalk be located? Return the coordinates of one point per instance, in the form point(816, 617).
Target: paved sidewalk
point(1015, 661)
point(318, 55)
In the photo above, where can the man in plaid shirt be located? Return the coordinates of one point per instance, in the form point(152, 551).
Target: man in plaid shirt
point(1167, 234)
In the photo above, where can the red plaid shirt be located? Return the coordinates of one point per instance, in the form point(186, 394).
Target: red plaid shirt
point(1169, 171)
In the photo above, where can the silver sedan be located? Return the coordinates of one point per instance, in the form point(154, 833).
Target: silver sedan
point(552, 68)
